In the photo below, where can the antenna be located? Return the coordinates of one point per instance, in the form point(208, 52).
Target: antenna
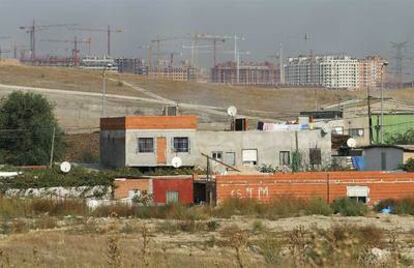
point(176, 162)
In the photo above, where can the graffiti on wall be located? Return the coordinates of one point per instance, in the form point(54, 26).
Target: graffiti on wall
point(251, 192)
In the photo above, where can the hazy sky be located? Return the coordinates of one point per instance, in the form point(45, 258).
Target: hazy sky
point(356, 27)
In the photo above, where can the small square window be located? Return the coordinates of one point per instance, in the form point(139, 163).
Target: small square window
point(181, 144)
point(145, 145)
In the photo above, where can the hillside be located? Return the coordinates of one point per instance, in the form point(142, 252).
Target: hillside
point(81, 105)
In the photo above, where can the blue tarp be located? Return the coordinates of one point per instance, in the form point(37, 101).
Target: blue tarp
point(358, 162)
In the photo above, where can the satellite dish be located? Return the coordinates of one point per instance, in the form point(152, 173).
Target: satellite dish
point(65, 167)
point(176, 162)
point(351, 143)
point(232, 111)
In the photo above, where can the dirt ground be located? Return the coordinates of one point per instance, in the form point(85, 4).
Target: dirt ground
point(77, 242)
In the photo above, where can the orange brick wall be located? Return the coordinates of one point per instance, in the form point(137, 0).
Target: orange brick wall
point(305, 185)
point(122, 186)
point(150, 122)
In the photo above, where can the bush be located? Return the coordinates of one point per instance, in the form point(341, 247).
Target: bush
point(237, 206)
point(405, 206)
point(318, 206)
point(349, 207)
point(409, 166)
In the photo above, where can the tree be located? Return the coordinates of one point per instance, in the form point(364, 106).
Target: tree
point(402, 138)
point(27, 124)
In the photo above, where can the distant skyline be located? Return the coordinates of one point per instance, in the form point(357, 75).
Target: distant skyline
point(354, 27)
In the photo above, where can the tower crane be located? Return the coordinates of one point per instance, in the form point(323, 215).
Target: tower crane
point(108, 34)
point(32, 29)
point(75, 50)
point(215, 39)
point(157, 43)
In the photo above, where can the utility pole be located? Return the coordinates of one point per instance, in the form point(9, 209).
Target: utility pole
point(369, 116)
point(103, 92)
point(385, 63)
point(281, 66)
point(52, 147)
point(109, 40)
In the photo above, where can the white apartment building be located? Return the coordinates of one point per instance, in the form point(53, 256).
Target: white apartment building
point(303, 71)
point(339, 72)
point(330, 71)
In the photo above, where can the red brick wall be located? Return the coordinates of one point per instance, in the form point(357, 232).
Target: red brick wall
point(122, 186)
point(184, 187)
point(305, 185)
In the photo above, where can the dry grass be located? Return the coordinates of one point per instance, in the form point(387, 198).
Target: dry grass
point(273, 101)
point(60, 78)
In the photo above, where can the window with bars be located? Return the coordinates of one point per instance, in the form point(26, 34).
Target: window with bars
point(181, 144)
point(145, 145)
point(284, 158)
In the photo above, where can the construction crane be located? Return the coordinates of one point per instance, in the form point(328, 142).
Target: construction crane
point(75, 50)
point(215, 39)
point(108, 34)
point(32, 29)
point(157, 43)
point(3, 51)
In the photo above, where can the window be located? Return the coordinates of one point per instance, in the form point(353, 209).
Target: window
point(230, 158)
point(315, 156)
point(145, 145)
point(249, 156)
point(356, 132)
point(358, 193)
point(284, 158)
point(181, 144)
point(338, 130)
point(171, 197)
point(217, 155)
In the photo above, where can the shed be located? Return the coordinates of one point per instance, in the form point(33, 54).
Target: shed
point(382, 157)
point(159, 189)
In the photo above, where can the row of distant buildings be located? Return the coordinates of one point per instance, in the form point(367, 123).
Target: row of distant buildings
point(342, 72)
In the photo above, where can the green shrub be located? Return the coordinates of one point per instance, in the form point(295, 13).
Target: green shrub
point(318, 206)
point(405, 206)
point(237, 206)
point(349, 207)
point(409, 166)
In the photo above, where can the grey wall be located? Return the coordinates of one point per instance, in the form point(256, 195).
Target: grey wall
point(393, 158)
point(112, 148)
point(133, 158)
point(268, 145)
